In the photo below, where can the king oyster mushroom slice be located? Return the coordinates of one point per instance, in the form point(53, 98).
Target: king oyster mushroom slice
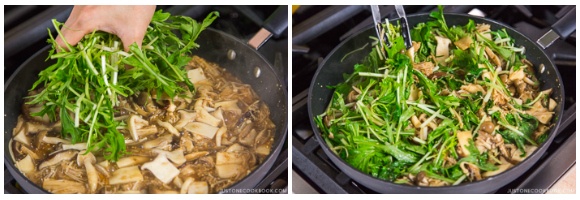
point(195, 155)
point(231, 106)
point(220, 132)
point(442, 49)
point(161, 168)
point(229, 164)
point(186, 116)
point(263, 150)
point(205, 117)
point(185, 185)
point(160, 142)
point(176, 156)
point(54, 140)
point(463, 140)
point(126, 175)
point(21, 137)
point(88, 161)
point(202, 129)
point(58, 157)
point(77, 146)
point(198, 187)
point(63, 186)
point(168, 127)
point(131, 161)
point(26, 165)
point(196, 75)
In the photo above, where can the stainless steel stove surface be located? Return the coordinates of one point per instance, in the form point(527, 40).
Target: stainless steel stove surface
point(318, 29)
point(26, 33)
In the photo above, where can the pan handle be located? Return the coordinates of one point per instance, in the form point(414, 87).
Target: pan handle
point(275, 25)
point(561, 29)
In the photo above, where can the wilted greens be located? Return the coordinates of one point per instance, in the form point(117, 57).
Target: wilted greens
point(461, 105)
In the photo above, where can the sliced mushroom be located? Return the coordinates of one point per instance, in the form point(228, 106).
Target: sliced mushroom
point(196, 75)
point(205, 117)
point(185, 185)
point(442, 49)
point(552, 104)
point(131, 161)
point(21, 137)
point(230, 164)
point(236, 148)
point(58, 157)
point(464, 42)
point(463, 138)
point(77, 146)
point(219, 135)
point(249, 138)
point(539, 112)
point(517, 75)
point(63, 186)
point(471, 170)
point(201, 129)
point(54, 140)
point(26, 165)
point(473, 88)
point(231, 106)
point(135, 123)
point(176, 156)
point(88, 161)
point(196, 155)
point(186, 117)
point(168, 127)
point(126, 175)
point(161, 168)
point(198, 187)
point(494, 58)
point(160, 142)
point(425, 67)
point(263, 150)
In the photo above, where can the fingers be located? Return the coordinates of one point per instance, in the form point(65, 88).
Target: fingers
point(73, 29)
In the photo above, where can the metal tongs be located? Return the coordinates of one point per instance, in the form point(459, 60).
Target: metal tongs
point(404, 26)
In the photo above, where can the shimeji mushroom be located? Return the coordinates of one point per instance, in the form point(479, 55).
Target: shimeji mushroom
point(88, 160)
point(135, 123)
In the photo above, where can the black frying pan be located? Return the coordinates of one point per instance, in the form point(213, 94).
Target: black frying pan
point(214, 48)
point(330, 73)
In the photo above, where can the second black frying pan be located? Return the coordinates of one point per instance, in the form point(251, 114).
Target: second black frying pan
point(330, 73)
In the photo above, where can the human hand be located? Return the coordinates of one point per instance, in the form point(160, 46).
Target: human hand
point(129, 23)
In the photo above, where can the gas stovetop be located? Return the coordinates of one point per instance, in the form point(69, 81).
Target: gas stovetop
point(26, 33)
point(318, 29)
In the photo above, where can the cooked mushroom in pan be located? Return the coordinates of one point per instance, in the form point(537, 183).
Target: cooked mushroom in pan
point(461, 105)
point(188, 144)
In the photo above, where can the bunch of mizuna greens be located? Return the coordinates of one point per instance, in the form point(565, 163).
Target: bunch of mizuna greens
point(373, 132)
point(85, 84)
